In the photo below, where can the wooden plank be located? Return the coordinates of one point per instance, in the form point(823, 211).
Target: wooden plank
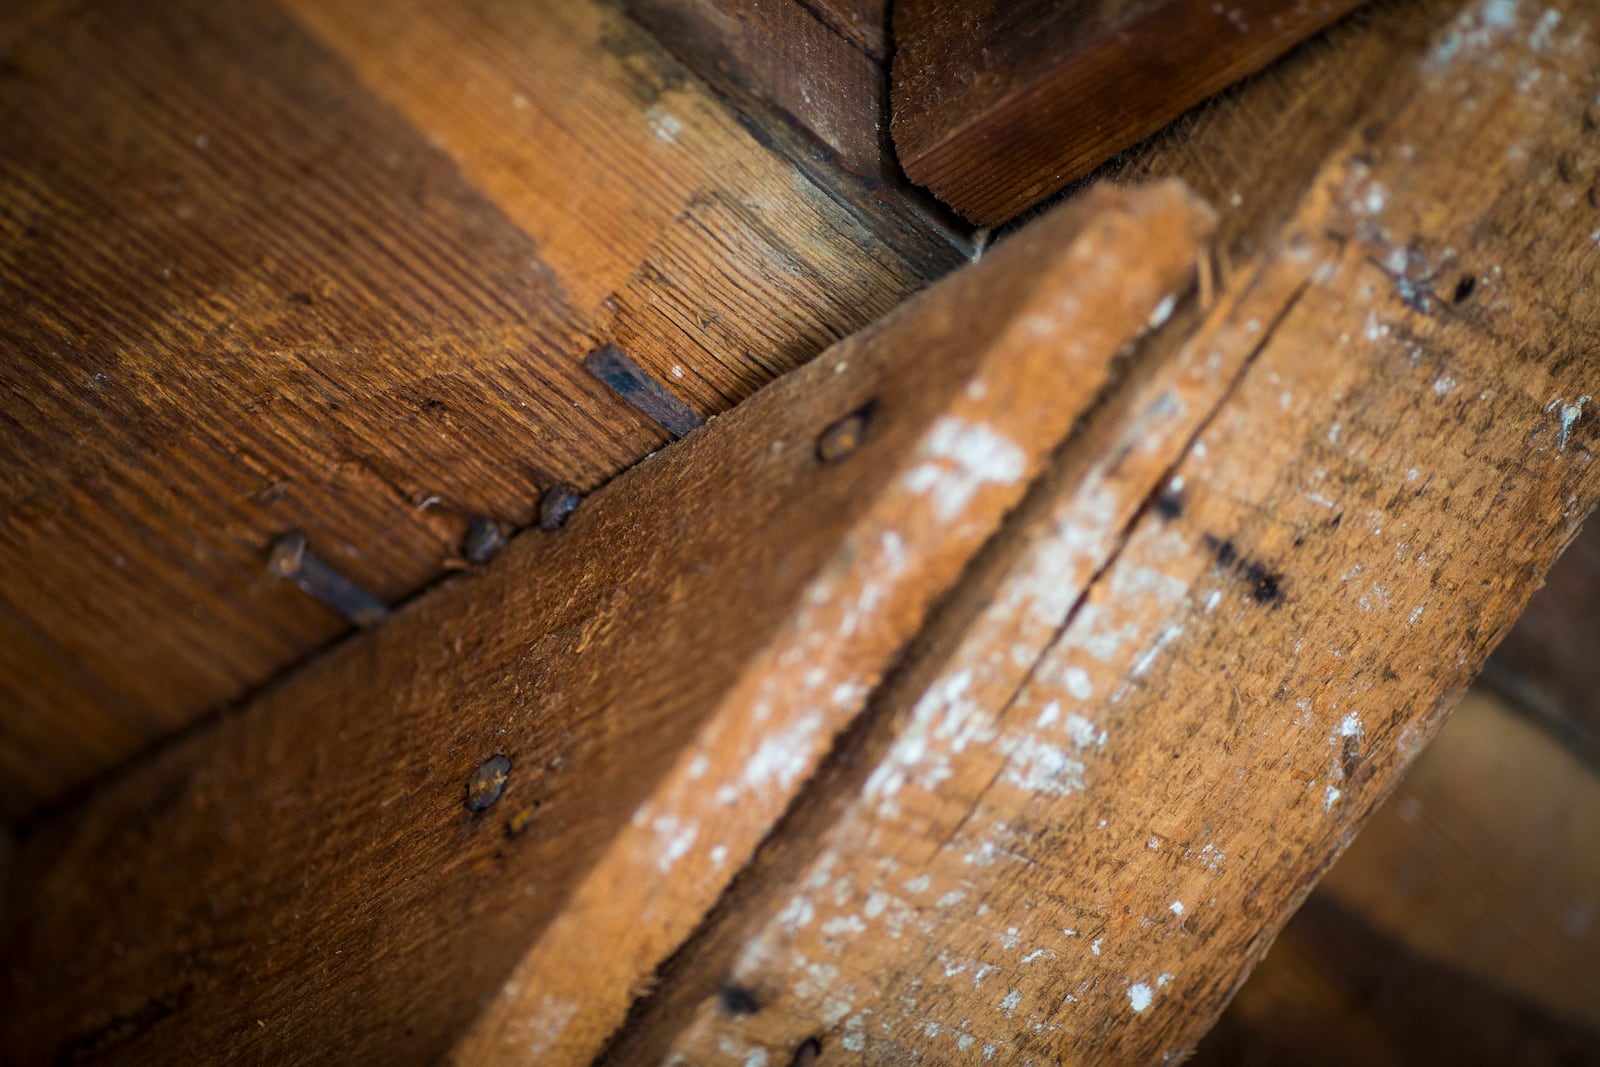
point(1077, 856)
point(998, 105)
point(1461, 925)
point(303, 882)
point(811, 77)
point(343, 284)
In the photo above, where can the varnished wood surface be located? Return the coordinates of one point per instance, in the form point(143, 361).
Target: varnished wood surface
point(1461, 927)
point(997, 105)
point(333, 267)
point(306, 881)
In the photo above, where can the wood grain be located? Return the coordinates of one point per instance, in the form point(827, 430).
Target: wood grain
point(304, 882)
point(1078, 855)
point(1460, 927)
point(998, 105)
point(343, 283)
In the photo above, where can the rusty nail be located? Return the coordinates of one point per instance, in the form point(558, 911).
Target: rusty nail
point(292, 559)
point(557, 505)
point(488, 782)
point(485, 539)
point(841, 439)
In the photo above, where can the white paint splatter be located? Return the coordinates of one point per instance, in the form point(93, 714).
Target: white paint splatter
point(1569, 415)
point(963, 457)
point(1330, 798)
point(1084, 732)
point(1076, 679)
point(1095, 946)
point(1177, 907)
point(1044, 768)
point(665, 126)
point(1009, 1002)
point(1139, 996)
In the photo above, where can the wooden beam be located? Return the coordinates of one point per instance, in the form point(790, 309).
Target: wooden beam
point(307, 880)
point(339, 277)
point(997, 105)
point(1078, 854)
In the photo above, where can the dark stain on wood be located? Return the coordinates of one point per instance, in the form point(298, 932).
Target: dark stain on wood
point(630, 381)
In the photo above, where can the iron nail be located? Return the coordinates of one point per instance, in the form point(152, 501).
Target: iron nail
point(292, 559)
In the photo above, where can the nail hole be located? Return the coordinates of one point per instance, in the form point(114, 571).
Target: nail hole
point(841, 439)
point(808, 1052)
point(1464, 288)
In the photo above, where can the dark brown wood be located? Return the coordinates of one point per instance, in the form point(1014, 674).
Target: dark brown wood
point(999, 104)
point(334, 268)
point(306, 881)
point(811, 76)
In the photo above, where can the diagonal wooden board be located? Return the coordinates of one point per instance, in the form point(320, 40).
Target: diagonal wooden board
point(662, 674)
point(1076, 855)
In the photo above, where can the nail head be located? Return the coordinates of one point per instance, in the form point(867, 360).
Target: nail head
point(488, 782)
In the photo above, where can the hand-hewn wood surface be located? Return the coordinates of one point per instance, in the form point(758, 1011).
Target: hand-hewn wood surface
point(997, 105)
point(303, 882)
point(1463, 926)
point(1079, 857)
point(333, 267)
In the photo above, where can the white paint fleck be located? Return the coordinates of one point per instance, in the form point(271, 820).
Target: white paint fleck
point(919, 884)
point(1212, 600)
point(1076, 679)
point(1569, 415)
point(877, 901)
point(963, 457)
point(841, 926)
point(1163, 311)
point(1043, 768)
point(1176, 907)
point(1350, 726)
point(677, 372)
point(664, 125)
point(1009, 1002)
point(1039, 953)
point(719, 855)
point(1139, 996)
point(756, 1057)
point(1330, 798)
point(1442, 386)
point(797, 914)
point(1164, 979)
point(1416, 614)
point(1094, 947)
point(950, 899)
point(854, 1041)
point(675, 840)
point(1084, 732)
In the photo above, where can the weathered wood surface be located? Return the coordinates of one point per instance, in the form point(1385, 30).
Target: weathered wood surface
point(333, 267)
point(813, 78)
point(1463, 926)
point(997, 105)
point(1076, 855)
point(302, 882)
